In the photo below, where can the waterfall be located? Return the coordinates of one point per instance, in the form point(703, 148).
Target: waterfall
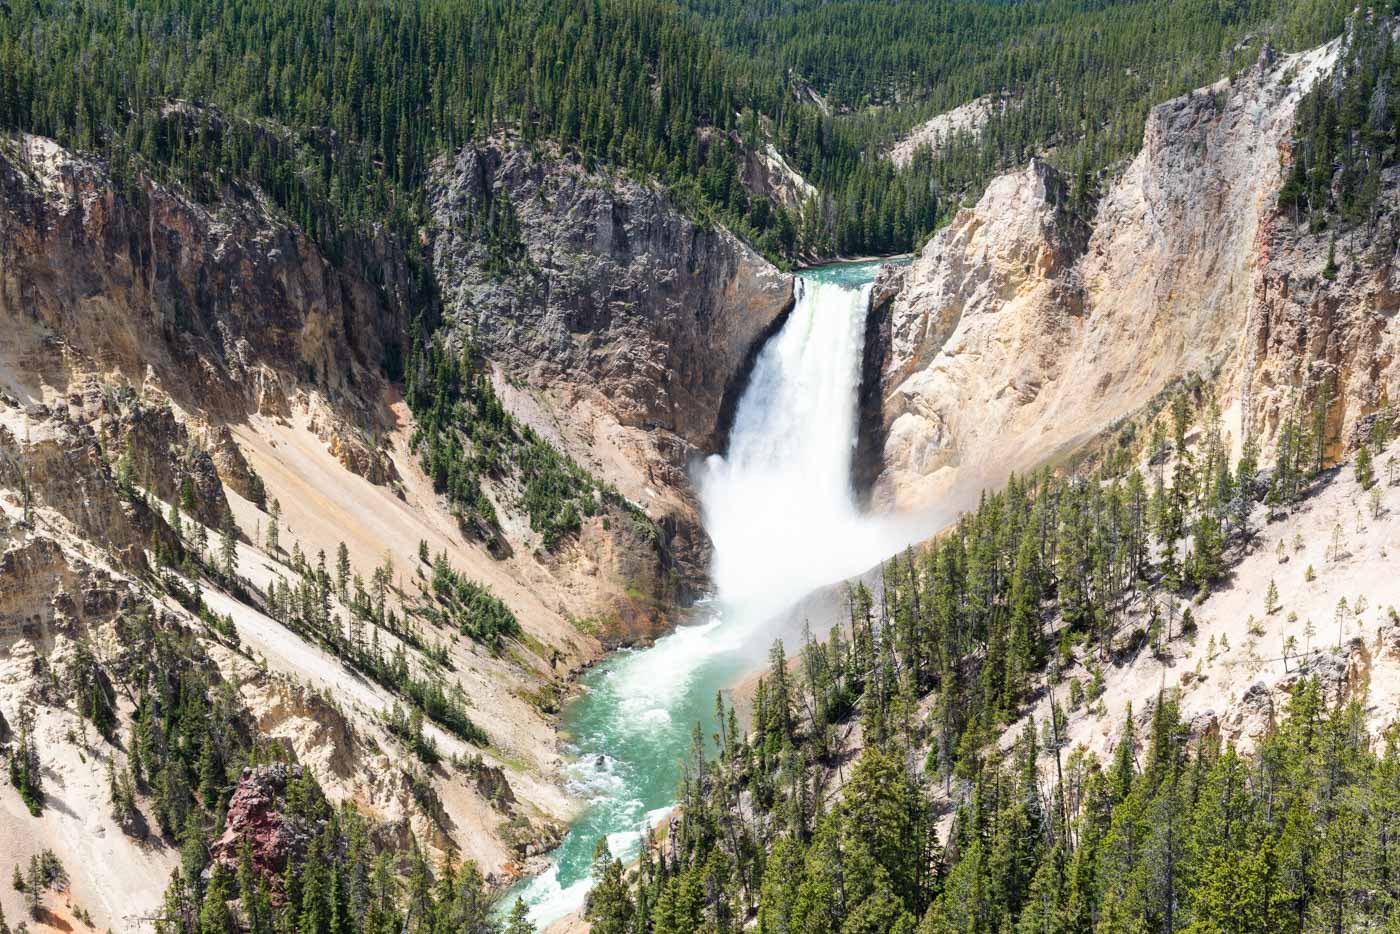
point(778, 505)
point(781, 512)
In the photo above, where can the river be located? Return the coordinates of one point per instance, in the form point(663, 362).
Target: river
point(781, 512)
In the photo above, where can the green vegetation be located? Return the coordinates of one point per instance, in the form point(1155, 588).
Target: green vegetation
point(337, 109)
point(306, 608)
point(26, 771)
point(96, 700)
point(188, 734)
point(470, 607)
point(45, 871)
point(463, 434)
point(861, 52)
point(1080, 78)
point(339, 880)
point(1174, 833)
point(1347, 135)
point(188, 743)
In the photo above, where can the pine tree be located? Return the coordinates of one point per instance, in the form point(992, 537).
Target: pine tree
point(342, 572)
point(273, 533)
point(519, 922)
point(252, 894)
point(228, 546)
point(25, 770)
point(34, 886)
point(1124, 762)
point(1365, 472)
point(201, 540)
point(215, 917)
point(609, 907)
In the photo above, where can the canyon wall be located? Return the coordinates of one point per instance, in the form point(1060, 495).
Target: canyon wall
point(622, 329)
point(170, 363)
point(1022, 330)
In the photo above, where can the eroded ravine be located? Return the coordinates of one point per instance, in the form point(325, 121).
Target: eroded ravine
point(780, 509)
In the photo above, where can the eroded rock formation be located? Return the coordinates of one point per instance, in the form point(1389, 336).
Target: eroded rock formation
point(618, 323)
point(228, 307)
point(1022, 330)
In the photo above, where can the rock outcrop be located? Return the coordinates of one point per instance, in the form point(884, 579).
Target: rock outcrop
point(58, 466)
point(1023, 330)
point(619, 324)
point(164, 356)
point(1312, 332)
point(764, 172)
point(169, 363)
point(941, 130)
point(978, 323)
point(228, 307)
point(257, 820)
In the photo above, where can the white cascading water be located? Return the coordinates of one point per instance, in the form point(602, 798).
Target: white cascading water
point(781, 511)
point(779, 506)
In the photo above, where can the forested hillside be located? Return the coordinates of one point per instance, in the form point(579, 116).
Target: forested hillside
point(1083, 75)
point(940, 53)
point(230, 232)
point(357, 98)
point(341, 105)
point(913, 772)
point(1348, 134)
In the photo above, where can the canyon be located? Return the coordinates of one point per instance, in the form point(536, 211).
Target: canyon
point(176, 368)
point(1023, 330)
point(168, 362)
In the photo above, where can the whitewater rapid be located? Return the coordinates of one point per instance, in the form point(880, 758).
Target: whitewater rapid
point(782, 514)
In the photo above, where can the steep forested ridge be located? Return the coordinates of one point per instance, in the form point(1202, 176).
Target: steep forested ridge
point(1348, 133)
point(940, 53)
point(361, 96)
point(938, 825)
point(1081, 75)
point(1175, 834)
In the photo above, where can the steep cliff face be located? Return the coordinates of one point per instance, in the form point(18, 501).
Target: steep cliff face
point(1314, 332)
point(1022, 330)
point(167, 363)
point(225, 307)
point(618, 324)
point(974, 332)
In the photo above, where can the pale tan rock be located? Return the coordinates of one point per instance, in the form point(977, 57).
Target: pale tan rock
point(1021, 330)
point(936, 133)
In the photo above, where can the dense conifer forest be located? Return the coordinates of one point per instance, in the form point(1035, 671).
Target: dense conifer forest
point(1347, 135)
point(1173, 834)
point(1079, 76)
point(337, 108)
